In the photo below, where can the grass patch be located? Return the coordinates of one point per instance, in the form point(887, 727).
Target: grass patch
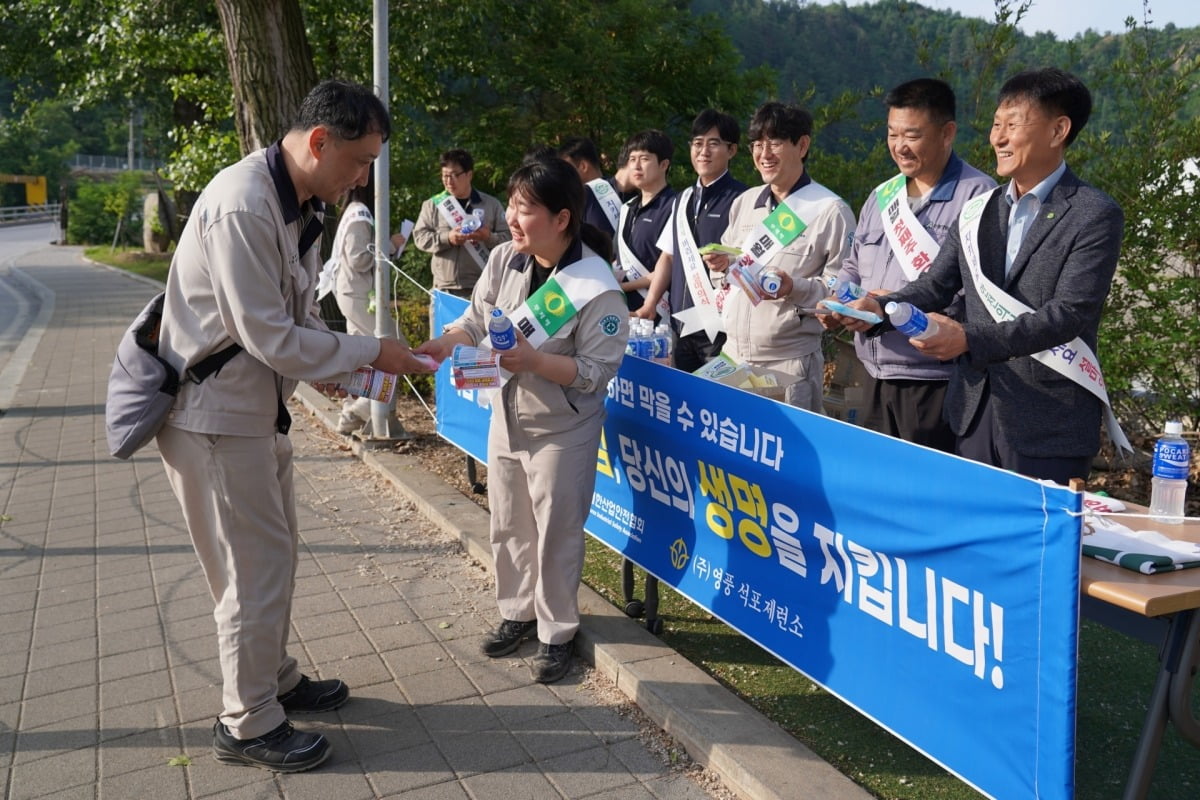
point(132, 259)
point(1116, 675)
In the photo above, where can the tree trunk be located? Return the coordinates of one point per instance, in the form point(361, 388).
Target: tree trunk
point(270, 66)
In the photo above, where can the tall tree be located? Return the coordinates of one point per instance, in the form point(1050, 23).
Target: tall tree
point(270, 66)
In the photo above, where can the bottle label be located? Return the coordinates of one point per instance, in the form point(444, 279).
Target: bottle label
point(1172, 459)
point(372, 383)
point(915, 325)
point(848, 292)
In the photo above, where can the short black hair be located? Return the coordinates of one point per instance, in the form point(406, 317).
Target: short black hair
point(924, 94)
point(652, 141)
point(538, 152)
point(349, 110)
point(580, 148)
point(726, 125)
point(459, 158)
point(1054, 90)
point(778, 121)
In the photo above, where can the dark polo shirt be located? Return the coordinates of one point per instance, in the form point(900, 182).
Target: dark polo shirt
point(643, 225)
point(707, 216)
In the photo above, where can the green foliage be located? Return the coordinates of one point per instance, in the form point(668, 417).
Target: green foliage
point(1150, 339)
point(98, 209)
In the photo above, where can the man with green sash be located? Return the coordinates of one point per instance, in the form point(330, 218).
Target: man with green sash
point(459, 256)
point(900, 229)
point(800, 229)
point(1035, 258)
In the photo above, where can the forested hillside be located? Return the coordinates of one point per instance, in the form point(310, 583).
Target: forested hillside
point(820, 51)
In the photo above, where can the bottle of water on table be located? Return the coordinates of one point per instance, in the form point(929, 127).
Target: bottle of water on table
point(1168, 483)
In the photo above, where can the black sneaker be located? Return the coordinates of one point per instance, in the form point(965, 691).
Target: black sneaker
point(507, 637)
point(552, 662)
point(313, 697)
point(284, 749)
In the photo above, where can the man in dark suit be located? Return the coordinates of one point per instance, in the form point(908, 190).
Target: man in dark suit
point(1036, 259)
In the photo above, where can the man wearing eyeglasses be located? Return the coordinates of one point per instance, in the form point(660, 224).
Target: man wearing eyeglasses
point(792, 225)
point(900, 230)
point(699, 217)
point(459, 256)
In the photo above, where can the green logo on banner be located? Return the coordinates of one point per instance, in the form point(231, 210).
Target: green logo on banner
point(439, 197)
point(784, 225)
point(551, 307)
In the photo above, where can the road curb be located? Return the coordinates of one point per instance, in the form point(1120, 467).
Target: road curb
point(755, 758)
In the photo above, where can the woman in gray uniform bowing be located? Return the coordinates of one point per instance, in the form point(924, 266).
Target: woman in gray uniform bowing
point(546, 419)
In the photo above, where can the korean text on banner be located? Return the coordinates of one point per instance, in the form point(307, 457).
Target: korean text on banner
point(933, 594)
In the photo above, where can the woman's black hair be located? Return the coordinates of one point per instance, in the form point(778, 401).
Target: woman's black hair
point(554, 184)
point(363, 194)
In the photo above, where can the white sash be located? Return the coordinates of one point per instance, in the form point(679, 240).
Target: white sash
point(609, 200)
point(912, 245)
point(635, 269)
point(779, 229)
point(1074, 360)
point(328, 278)
point(452, 211)
point(559, 299)
point(703, 315)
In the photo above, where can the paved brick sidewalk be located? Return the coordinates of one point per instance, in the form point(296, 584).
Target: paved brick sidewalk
point(108, 667)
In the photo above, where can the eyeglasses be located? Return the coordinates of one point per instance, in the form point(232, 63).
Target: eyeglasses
point(774, 145)
point(708, 144)
point(449, 176)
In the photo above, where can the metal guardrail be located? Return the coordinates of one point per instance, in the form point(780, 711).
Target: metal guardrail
point(15, 215)
point(82, 161)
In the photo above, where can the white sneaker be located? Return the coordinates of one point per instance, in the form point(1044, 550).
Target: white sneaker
point(349, 423)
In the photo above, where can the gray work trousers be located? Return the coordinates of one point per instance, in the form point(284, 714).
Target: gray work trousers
point(239, 504)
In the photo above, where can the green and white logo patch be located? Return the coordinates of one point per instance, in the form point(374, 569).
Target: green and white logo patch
point(610, 325)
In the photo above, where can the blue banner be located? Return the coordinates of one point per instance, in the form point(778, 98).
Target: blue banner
point(937, 596)
point(460, 419)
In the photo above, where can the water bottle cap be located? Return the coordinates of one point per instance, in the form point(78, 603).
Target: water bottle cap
point(1173, 427)
point(891, 308)
point(497, 312)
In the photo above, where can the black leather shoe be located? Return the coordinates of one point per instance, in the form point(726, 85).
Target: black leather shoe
point(552, 662)
point(284, 749)
point(313, 697)
point(507, 637)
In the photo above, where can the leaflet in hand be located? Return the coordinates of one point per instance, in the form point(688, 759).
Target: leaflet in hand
point(719, 248)
point(847, 311)
point(475, 368)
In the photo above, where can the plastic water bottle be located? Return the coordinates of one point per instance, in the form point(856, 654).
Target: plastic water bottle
point(845, 291)
point(645, 348)
point(770, 281)
point(1172, 463)
point(501, 332)
point(633, 346)
point(641, 339)
point(472, 223)
point(911, 321)
point(662, 344)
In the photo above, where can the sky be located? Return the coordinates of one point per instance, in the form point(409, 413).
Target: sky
point(1066, 18)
